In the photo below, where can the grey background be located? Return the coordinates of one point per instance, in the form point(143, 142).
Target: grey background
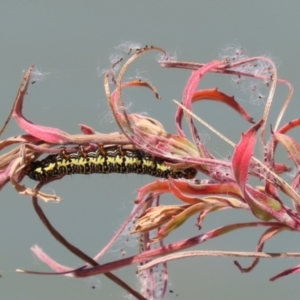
point(70, 40)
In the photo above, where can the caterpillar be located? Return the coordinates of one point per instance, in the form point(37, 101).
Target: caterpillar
point(113, 159)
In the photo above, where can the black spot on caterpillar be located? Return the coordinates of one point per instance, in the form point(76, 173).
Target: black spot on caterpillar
point(113, 159)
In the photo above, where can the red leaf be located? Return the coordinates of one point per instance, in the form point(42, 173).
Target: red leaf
point(243, 153)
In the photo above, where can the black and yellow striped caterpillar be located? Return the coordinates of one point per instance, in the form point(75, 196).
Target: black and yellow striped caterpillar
point(113, 159)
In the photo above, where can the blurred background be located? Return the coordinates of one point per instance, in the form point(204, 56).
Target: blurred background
point(71, 43)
